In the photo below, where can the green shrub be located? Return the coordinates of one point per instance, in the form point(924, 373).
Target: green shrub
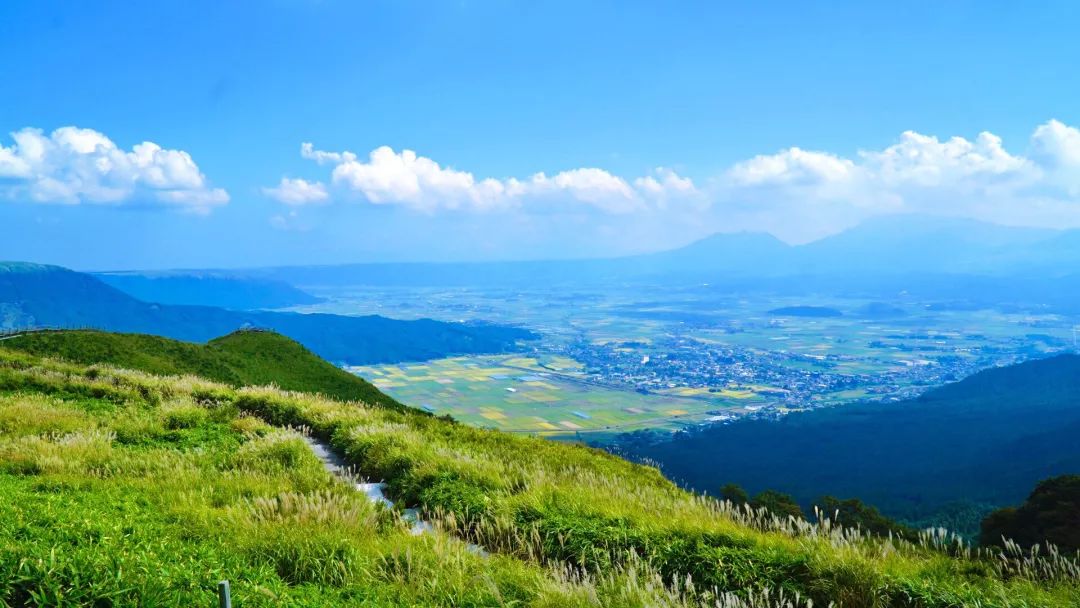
point(184, 417)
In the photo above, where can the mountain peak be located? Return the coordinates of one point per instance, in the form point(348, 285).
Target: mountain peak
point(742, 237)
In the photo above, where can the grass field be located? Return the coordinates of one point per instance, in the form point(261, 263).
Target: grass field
point(241, 358)
point(124, 489)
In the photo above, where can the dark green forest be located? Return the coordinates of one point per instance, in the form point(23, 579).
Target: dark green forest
point(1051, 512)
point(948, 457)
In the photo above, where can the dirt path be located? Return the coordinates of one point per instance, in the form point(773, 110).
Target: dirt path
point(337, 467)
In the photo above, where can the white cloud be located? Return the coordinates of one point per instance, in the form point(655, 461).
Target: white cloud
point(589, 185)
point(915, 161)
point(73, 165)
point(388, 177)
point(297, 192)
point(795, 179)
point(797, 193)
point(792, 166)
point(665, 183)
point(801, 193)
point(923, 161)
point(1056, 144)
point(308, 151)
point(1056, 148)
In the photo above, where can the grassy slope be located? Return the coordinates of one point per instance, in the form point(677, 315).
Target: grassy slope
point(244, 358)
point(148, 489)
point(110, 497)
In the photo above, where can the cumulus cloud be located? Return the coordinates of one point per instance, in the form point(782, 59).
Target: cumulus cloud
point(665, 183)
point(919, 173)
point(796, 193)
point(1055, 147)
point(796, 178)
point(297, 192)
point(73, 165)
point(1056, 144)
point(922, 161)
point(389, 177)
point(589, 185)
point(792, 166)
point(916, 161)
point(308, 151)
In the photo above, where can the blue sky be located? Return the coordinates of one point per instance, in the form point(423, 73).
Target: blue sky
point(651, 123)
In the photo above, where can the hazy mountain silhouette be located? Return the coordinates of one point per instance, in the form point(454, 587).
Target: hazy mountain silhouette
point(39, 295)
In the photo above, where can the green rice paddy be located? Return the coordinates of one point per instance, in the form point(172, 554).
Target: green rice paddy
point(552, 396)
point(548, 396)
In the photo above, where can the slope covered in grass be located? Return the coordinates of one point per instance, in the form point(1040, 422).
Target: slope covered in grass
point(243, 358)
point(146, 490)
point(148, 494)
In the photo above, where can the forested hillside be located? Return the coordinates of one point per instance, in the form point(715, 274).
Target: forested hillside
point(37, 295)
point(946, 457)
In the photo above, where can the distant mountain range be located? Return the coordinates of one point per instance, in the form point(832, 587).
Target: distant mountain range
point(221, 290)
point(884, 246)
point(955, 262)
point(882, 253)
point(37, 295)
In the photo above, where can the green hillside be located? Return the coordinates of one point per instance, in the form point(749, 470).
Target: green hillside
point(243, 358)
point(1051, 511)
point(126, 489)
point(35, 295)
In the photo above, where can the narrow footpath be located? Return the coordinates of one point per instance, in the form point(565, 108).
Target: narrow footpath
point(337, 466)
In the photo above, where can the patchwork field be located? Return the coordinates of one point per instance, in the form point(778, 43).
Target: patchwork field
point(548, 396)
point(620, 359)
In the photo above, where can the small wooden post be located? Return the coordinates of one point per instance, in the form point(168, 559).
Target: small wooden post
point(224, 600)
